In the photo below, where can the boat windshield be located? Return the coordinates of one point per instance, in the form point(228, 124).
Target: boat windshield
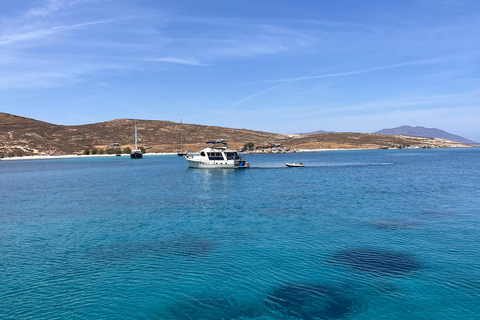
point(232, 155)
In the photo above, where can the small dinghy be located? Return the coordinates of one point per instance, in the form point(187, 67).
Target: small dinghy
point(294, 164)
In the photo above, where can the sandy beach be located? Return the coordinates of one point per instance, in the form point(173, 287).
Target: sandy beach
point(42, 157)
point(67, 156)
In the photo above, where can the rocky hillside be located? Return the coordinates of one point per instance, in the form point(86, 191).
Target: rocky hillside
point(23, 136)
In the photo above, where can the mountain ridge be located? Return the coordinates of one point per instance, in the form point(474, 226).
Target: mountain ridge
point(420, 131)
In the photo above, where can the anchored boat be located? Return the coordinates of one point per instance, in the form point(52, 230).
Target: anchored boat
point(181, 152)
point(217, 156)
point(137, 153)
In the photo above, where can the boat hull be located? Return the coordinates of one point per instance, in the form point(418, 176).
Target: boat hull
point(294, 165)
point(228, 164)
point(136, 155)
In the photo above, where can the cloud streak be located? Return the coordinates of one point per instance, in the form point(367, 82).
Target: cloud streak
point(362, 71)
point(236, 103)
point(335, 75)
point(32, 35)
point(186, 61)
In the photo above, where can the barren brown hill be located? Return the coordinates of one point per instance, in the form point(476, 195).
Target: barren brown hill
point(24, 136)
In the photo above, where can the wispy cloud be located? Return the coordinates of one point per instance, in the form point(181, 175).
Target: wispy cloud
point(361, 71)
point(47, 9)
point(333, 75)
point(225, 38)
point(423, 102)
point(32, 73)
point(187, 61)
point(50, 7)
point(333, 26)
point(236, 103)
point(36, 34)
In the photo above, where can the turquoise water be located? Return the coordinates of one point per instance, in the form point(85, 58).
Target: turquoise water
point(387, 234)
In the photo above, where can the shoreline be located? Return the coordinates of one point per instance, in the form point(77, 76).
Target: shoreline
point(71, 156)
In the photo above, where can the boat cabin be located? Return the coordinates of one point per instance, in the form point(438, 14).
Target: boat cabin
point(229, 155)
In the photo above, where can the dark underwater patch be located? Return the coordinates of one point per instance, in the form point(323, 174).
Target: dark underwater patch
point(376, 261)
point(434, 213)
point(186, 246)
point(207, 307)
point(115, 251)
point(393, 224)
point(310, 302)
point(126, 250)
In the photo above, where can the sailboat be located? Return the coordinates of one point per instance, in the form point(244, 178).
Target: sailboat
point(182, 152)
point(137, 153)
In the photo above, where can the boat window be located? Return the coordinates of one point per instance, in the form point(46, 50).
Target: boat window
point(232, 155)
point(202, 154)
point(215, 156)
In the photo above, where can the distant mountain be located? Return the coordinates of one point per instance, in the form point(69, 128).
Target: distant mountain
point(424, 132)
point(318, 131)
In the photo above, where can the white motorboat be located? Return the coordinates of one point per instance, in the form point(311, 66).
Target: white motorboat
point(299, 165)
point(216, 156)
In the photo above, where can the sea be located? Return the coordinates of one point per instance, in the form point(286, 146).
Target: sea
point(361, 234)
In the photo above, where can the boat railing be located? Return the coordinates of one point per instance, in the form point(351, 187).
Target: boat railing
point(220, 141)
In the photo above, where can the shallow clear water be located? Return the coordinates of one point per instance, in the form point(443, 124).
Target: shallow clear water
point(388, 234)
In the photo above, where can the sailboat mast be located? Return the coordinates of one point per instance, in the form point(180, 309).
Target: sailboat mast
point(180, 143)
point(135, 134)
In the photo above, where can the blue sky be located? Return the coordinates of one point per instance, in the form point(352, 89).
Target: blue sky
point(275, 65)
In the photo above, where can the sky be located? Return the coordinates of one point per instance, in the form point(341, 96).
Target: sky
point(272, 65)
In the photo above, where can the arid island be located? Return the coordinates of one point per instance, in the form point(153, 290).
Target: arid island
point(22, 136)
